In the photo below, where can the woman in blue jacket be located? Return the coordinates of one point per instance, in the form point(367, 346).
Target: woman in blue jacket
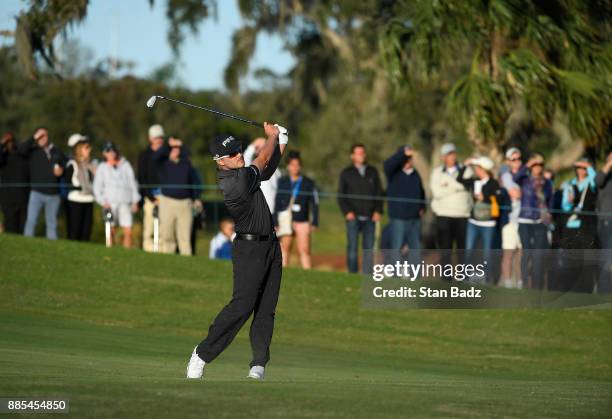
point(534, 219)
point(579, 231)
point(297, 194)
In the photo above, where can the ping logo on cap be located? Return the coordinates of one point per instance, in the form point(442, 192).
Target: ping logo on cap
point(227, 141)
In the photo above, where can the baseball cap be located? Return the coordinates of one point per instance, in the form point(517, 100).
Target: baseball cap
point(511, 151)
point(156, 131)
point(484, 162)
point(224, 146)
point(75, 139)
point(110, 146)
point(448, 148)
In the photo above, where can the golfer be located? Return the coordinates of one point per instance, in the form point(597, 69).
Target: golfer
point(256, 254)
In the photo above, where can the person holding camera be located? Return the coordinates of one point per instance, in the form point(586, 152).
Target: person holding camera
point(46, 166)
point(177, 196)
point(13, 198)
point(406, 202)
point(534, 219)
point(482, 224)
point(579, 232)
point(116, 190)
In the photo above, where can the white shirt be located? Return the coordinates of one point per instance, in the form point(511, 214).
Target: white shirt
point(268, 187)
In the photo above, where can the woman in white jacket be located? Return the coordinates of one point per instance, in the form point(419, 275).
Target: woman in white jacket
point(116, 189)
point(79, 173)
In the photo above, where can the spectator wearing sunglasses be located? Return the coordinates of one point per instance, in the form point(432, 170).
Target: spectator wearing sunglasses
point(511, 241)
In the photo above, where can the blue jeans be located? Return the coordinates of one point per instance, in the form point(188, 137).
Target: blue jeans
point(353, 228)
point(486, 235)
point(406, 232)
point(37, 201)
point(534, 240)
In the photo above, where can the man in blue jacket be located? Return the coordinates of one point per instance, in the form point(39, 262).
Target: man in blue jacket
point(406, 201)
point(177, 196)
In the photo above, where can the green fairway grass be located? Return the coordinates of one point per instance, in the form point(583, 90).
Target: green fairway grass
point(112, 330)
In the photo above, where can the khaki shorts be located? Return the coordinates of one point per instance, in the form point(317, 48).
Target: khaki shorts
point(511, 240)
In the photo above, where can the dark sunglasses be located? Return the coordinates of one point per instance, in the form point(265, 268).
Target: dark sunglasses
point(516, 159)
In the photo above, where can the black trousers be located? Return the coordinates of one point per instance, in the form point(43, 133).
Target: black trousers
point(80, 218)
point(15, 214)
point(257, 277)
point(449, 230)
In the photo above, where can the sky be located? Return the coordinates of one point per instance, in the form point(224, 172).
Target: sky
point(133, 31)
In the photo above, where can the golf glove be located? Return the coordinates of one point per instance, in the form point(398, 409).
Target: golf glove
point(283, 137)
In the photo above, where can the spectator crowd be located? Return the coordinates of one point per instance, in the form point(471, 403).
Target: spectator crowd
point(477, 208)
point(37, 176)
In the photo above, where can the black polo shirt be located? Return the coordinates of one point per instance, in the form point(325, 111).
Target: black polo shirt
point(245, 201)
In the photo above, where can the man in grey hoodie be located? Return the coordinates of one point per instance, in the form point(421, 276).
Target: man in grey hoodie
point(116, 189)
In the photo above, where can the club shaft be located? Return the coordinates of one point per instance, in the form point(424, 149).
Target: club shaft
point(226, 115)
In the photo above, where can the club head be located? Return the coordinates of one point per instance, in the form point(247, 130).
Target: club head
point(151, 101)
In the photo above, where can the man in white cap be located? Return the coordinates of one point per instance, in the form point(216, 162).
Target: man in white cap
point(148, 175)
point(451, 203)
point(511, 241)
point(75, 139)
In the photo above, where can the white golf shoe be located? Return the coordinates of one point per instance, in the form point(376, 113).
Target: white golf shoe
point(256, 373)
point(195, 368)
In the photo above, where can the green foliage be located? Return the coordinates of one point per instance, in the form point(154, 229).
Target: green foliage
point(244, 41)
point(550, 56)
point(38, 27)
point(186, 13)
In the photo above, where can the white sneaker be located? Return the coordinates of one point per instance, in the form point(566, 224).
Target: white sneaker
point(195, 368)
point(256, 373)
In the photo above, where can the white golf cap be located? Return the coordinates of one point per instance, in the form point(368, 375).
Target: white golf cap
point(448, 148)
point(484, 162)
point(75, 139)
point(156, 131)
point(511, 151)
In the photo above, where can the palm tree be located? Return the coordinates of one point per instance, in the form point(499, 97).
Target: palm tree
point(550, 56)
point(43, 21)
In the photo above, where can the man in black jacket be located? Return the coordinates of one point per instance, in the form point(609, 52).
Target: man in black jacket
point(148, 175)
point(361, 213)
point(46, 166)
point(406, 201)
point(13, 198)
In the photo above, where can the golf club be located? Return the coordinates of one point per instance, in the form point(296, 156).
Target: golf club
point(153, 99)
